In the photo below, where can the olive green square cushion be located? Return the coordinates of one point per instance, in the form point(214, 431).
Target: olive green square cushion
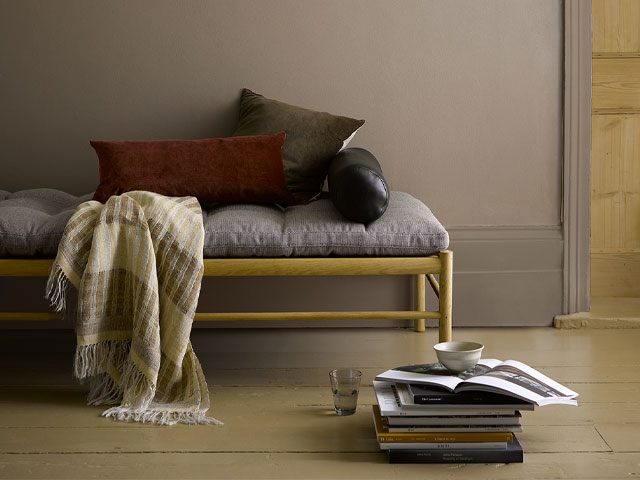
point(313, 139)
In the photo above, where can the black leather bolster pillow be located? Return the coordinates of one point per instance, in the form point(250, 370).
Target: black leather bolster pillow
point(356, 185)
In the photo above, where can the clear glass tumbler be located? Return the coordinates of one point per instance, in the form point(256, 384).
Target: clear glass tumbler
point(345, 384)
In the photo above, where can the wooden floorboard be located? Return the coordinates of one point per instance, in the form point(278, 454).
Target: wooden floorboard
point(268, 465)
point(271, 390)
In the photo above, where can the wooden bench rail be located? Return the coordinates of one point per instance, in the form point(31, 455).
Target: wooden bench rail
point(422, 268)
point(259, 267)
point(221, 317)
point(434, 284)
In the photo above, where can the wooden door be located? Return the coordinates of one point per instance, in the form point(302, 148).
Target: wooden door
point(615, 149)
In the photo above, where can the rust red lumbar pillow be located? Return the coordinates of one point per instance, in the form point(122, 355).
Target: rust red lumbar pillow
point(232, 170)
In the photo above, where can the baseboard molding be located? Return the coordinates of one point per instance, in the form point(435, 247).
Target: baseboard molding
point(583, 320)
point(605, 312)
point(503, 276)
point(507, 276)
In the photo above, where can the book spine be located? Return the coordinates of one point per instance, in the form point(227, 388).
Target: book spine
point(445, 446)
point(465, 420)
point(463, 437)
point(456, 456)
point(425, 412)
point(457, 429)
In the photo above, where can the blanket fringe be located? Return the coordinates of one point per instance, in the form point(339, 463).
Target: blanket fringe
point(103, 391)
point(99, 361)
point(94, 359)
point(94, 362)
point(56, 288)
point(139, 390)
point(160, 417)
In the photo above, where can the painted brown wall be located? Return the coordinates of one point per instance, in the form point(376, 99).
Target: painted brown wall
point(462, 99)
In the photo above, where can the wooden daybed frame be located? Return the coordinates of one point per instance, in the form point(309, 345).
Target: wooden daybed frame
point(423, 269)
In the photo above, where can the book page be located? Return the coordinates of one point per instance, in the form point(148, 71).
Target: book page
point(436, 374)
point(390, 405)
point(516, 378)
point(388, 401)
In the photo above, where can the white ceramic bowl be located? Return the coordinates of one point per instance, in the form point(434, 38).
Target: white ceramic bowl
point(458, 356)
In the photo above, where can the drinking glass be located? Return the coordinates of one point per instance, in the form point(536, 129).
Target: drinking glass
point(345, 384)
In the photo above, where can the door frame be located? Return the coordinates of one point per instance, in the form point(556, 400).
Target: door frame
point(576, 178)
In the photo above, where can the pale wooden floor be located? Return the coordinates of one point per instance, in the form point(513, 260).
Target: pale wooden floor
point(270, 387)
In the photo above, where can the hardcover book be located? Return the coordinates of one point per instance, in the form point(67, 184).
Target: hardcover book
point(513, 453)
point(511, 378)
point(454, 420)
point(406, 399)
point(443, 446)
point(516, 427)
point(384, 436)
point(432, 395)
point(391, 406)
point(455, 428)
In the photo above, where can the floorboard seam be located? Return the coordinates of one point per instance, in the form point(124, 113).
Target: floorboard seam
point(603, 439)
point(197, 452)
point(144, 452)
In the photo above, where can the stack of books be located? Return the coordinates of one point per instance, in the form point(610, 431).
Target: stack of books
point(427, 415)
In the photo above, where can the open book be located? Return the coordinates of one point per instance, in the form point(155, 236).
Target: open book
point(511, 378)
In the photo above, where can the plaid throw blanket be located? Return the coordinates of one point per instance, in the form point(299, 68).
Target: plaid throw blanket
point(136, 262)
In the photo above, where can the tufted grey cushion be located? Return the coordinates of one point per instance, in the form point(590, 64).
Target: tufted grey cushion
point(317, 229)
point(32, 222)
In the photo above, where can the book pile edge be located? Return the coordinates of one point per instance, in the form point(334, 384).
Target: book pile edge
point(444, 433)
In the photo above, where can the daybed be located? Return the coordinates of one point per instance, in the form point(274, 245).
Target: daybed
point(263, 240)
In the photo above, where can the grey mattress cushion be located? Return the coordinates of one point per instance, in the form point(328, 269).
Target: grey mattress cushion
point(32, 222)
point(316, 230)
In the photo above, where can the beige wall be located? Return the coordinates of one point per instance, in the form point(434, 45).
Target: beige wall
point(462, 99)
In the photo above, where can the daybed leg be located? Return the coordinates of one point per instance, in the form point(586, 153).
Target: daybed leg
point(419, 304)
point(446, 280)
